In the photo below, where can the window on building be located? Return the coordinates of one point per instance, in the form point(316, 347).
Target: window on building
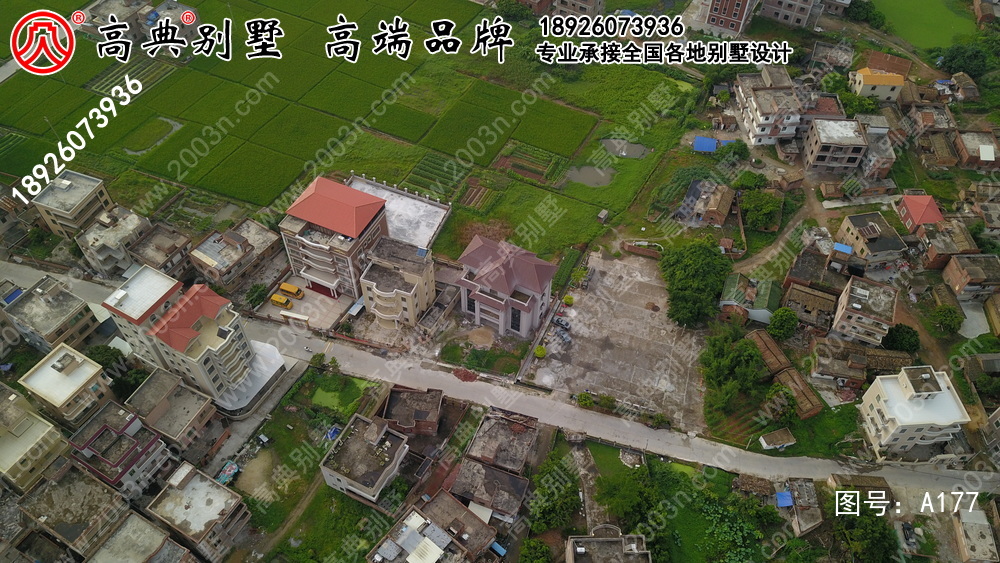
point(732, 25)
point(786, 17)
point(515, 320)
point(470, 305)
point(712, 20)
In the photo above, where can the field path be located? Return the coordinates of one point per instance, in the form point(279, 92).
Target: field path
point(293, 517)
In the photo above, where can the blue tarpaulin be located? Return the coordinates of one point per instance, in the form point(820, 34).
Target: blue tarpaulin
point(785, 499)
point(333, 433)
point(13, 295)
point(724, 143)
point(498, 549)
point(705, 144)
point(841, 247)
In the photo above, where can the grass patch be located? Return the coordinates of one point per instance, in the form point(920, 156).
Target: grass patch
point(300, 132)
point(39, 244)
point(344, 96)
point(401, 121)
point(606, 459)
point(147, 135)
point(577, 225)
point(132, 190)
point(928, 23)
point(343, 395)
point(23, 357)
point(328, 523)
point(457, 133)
point(820, 436)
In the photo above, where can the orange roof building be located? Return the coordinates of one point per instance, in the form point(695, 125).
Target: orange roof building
point(916, 210)
point(337, 207)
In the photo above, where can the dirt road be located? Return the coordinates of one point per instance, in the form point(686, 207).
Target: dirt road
point(812, 209)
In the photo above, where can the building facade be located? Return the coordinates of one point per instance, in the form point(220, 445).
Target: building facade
point(398, 284)
point(229, 259)
point(47, 314)
point(836, 146)
point(870, 83)
point(104, 242)
point(770, 109)
point(71, 202)
point(578, 7)
point(171, 408)
point(28, 442)
point(206, 516)
point(116, 447)
point(794, 13)
point(505, 286)
point(729, 18)
point(865, 311)
point(163, 248)
point(973, 277)
point(328, 232)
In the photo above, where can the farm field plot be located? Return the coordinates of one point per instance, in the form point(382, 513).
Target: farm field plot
point(477, 196)
point(928, 23)
point(144, 69)
point(460, 128)
point(532, 163)
point(437, 175)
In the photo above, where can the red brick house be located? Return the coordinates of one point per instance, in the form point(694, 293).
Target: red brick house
point(977, 149)
point(916, 210)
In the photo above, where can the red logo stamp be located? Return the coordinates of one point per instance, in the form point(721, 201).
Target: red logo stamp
point(188, 17)
point(42, 42)
point(78, 17)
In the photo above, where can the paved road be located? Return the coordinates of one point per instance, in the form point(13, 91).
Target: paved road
point(416, 373)
point(425, 373)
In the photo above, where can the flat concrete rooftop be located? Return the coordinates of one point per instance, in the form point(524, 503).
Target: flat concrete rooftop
point(45, 306)
point(192, 502)
point(67, 190)
point(411, 218)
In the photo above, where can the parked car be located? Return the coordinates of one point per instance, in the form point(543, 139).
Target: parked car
point(561, 322)
point(909, 535)
point(564, 336)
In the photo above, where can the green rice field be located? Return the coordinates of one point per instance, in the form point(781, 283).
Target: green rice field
point(928, 23)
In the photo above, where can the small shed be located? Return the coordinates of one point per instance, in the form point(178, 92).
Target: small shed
point(602, 217)
point(777, 440)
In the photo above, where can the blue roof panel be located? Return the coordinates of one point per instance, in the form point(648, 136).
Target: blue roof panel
point(705, 144)
point(841, 247)
point(785, 499)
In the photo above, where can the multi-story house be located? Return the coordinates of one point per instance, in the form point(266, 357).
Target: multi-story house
point(931, 118)
point(75, 508)
point(578, 7)
point(865, 311)
point(729, 18)
point(818, 105)
point(115, 446)
point(973, 277)
point(871, 237)
point(770, 109)
point(610, 545)
point(538, 7)
point(163, 248)
point(505, 286)
point(137, 539)
point(794, 13)
point(28, 442)
point(104, 242)
point(916, 407)
point(364, 458)
point(328, 232)
point(943, 240)
point(835, 7)
point(228, 259)
point(413, 412)
point(197, 335)
point(398, 284)
point(171, 408)
point(879, 84)
point(835, 146)
point(69, 385)
point(977, 150)
point(47, 314)
point(880, 156)
point(206, 516)
point(71, 202)
point(917, 210)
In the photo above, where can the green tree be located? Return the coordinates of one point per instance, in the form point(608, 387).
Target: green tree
point(577, 276)
point(947, 318)
point(557, 495)
point(606, 402)
point(865, 11)
point(585, 400)
point(733, 152)
point(748, 180)
point(694, 272)
point(783, 324)
point(540, 351)
point(535, 551)
point(760, 209)
point(834, 82)
point(123, 386)
point(781, 403)
point(902, 337)
point(513, 10)
point(724, 97)
point(257, 294)
point(727, 356)
point(626, 494)
point(317, 360)
point(970, 58)
point(988, 386)
point(867, 537)
point(106, 355)
point(855, 104)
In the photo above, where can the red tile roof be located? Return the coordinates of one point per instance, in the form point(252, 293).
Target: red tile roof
point(337, 207)
point(504, 267)
point(176, 326)
point(922, 208)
